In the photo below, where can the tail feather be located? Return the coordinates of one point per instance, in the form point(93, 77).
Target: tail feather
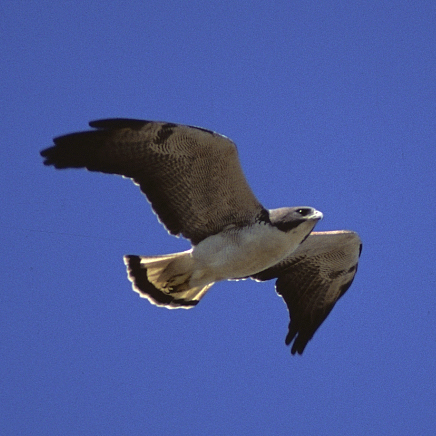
point(165, 280)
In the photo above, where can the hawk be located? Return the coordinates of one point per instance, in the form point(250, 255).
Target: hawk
point(193, 179)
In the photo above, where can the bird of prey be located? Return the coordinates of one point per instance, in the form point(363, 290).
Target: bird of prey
point(193, 179)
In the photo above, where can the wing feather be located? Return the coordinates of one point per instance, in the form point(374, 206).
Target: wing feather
point(191, 176)
point(312, 279)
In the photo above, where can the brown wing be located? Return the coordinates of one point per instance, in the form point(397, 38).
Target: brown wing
point(313, 279)
point(191, 176)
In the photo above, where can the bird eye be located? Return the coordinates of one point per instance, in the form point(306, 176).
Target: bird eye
point(304, 211)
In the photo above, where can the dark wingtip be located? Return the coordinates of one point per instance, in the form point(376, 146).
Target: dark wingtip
point(300, 341)
point(61, 157)
point(74, 150)
point(298, 347)
point(52, 156)
point(45, 153)
point(80, 149)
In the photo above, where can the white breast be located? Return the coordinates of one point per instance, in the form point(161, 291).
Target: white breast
point(238, 253)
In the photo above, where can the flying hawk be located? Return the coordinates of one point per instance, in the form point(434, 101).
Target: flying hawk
point(193, 179)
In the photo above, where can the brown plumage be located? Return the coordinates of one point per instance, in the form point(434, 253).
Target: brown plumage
point(194, 182)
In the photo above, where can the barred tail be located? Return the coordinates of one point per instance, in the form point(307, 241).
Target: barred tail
point(164, 280)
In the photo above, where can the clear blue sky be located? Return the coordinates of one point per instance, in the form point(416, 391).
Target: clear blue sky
point(332, 104)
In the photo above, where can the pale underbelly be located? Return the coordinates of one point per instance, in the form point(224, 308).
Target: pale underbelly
point(224, 256)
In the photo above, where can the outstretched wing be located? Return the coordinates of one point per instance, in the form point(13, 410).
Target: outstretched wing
point(312, 279)
point(191, 176)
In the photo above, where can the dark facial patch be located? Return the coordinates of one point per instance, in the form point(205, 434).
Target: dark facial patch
point(287, 225)
point(288, 218)
point(304, 211)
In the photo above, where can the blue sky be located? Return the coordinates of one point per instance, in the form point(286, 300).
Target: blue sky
point(332, 104)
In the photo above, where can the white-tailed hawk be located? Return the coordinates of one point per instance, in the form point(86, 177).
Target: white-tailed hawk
point(194, 182)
